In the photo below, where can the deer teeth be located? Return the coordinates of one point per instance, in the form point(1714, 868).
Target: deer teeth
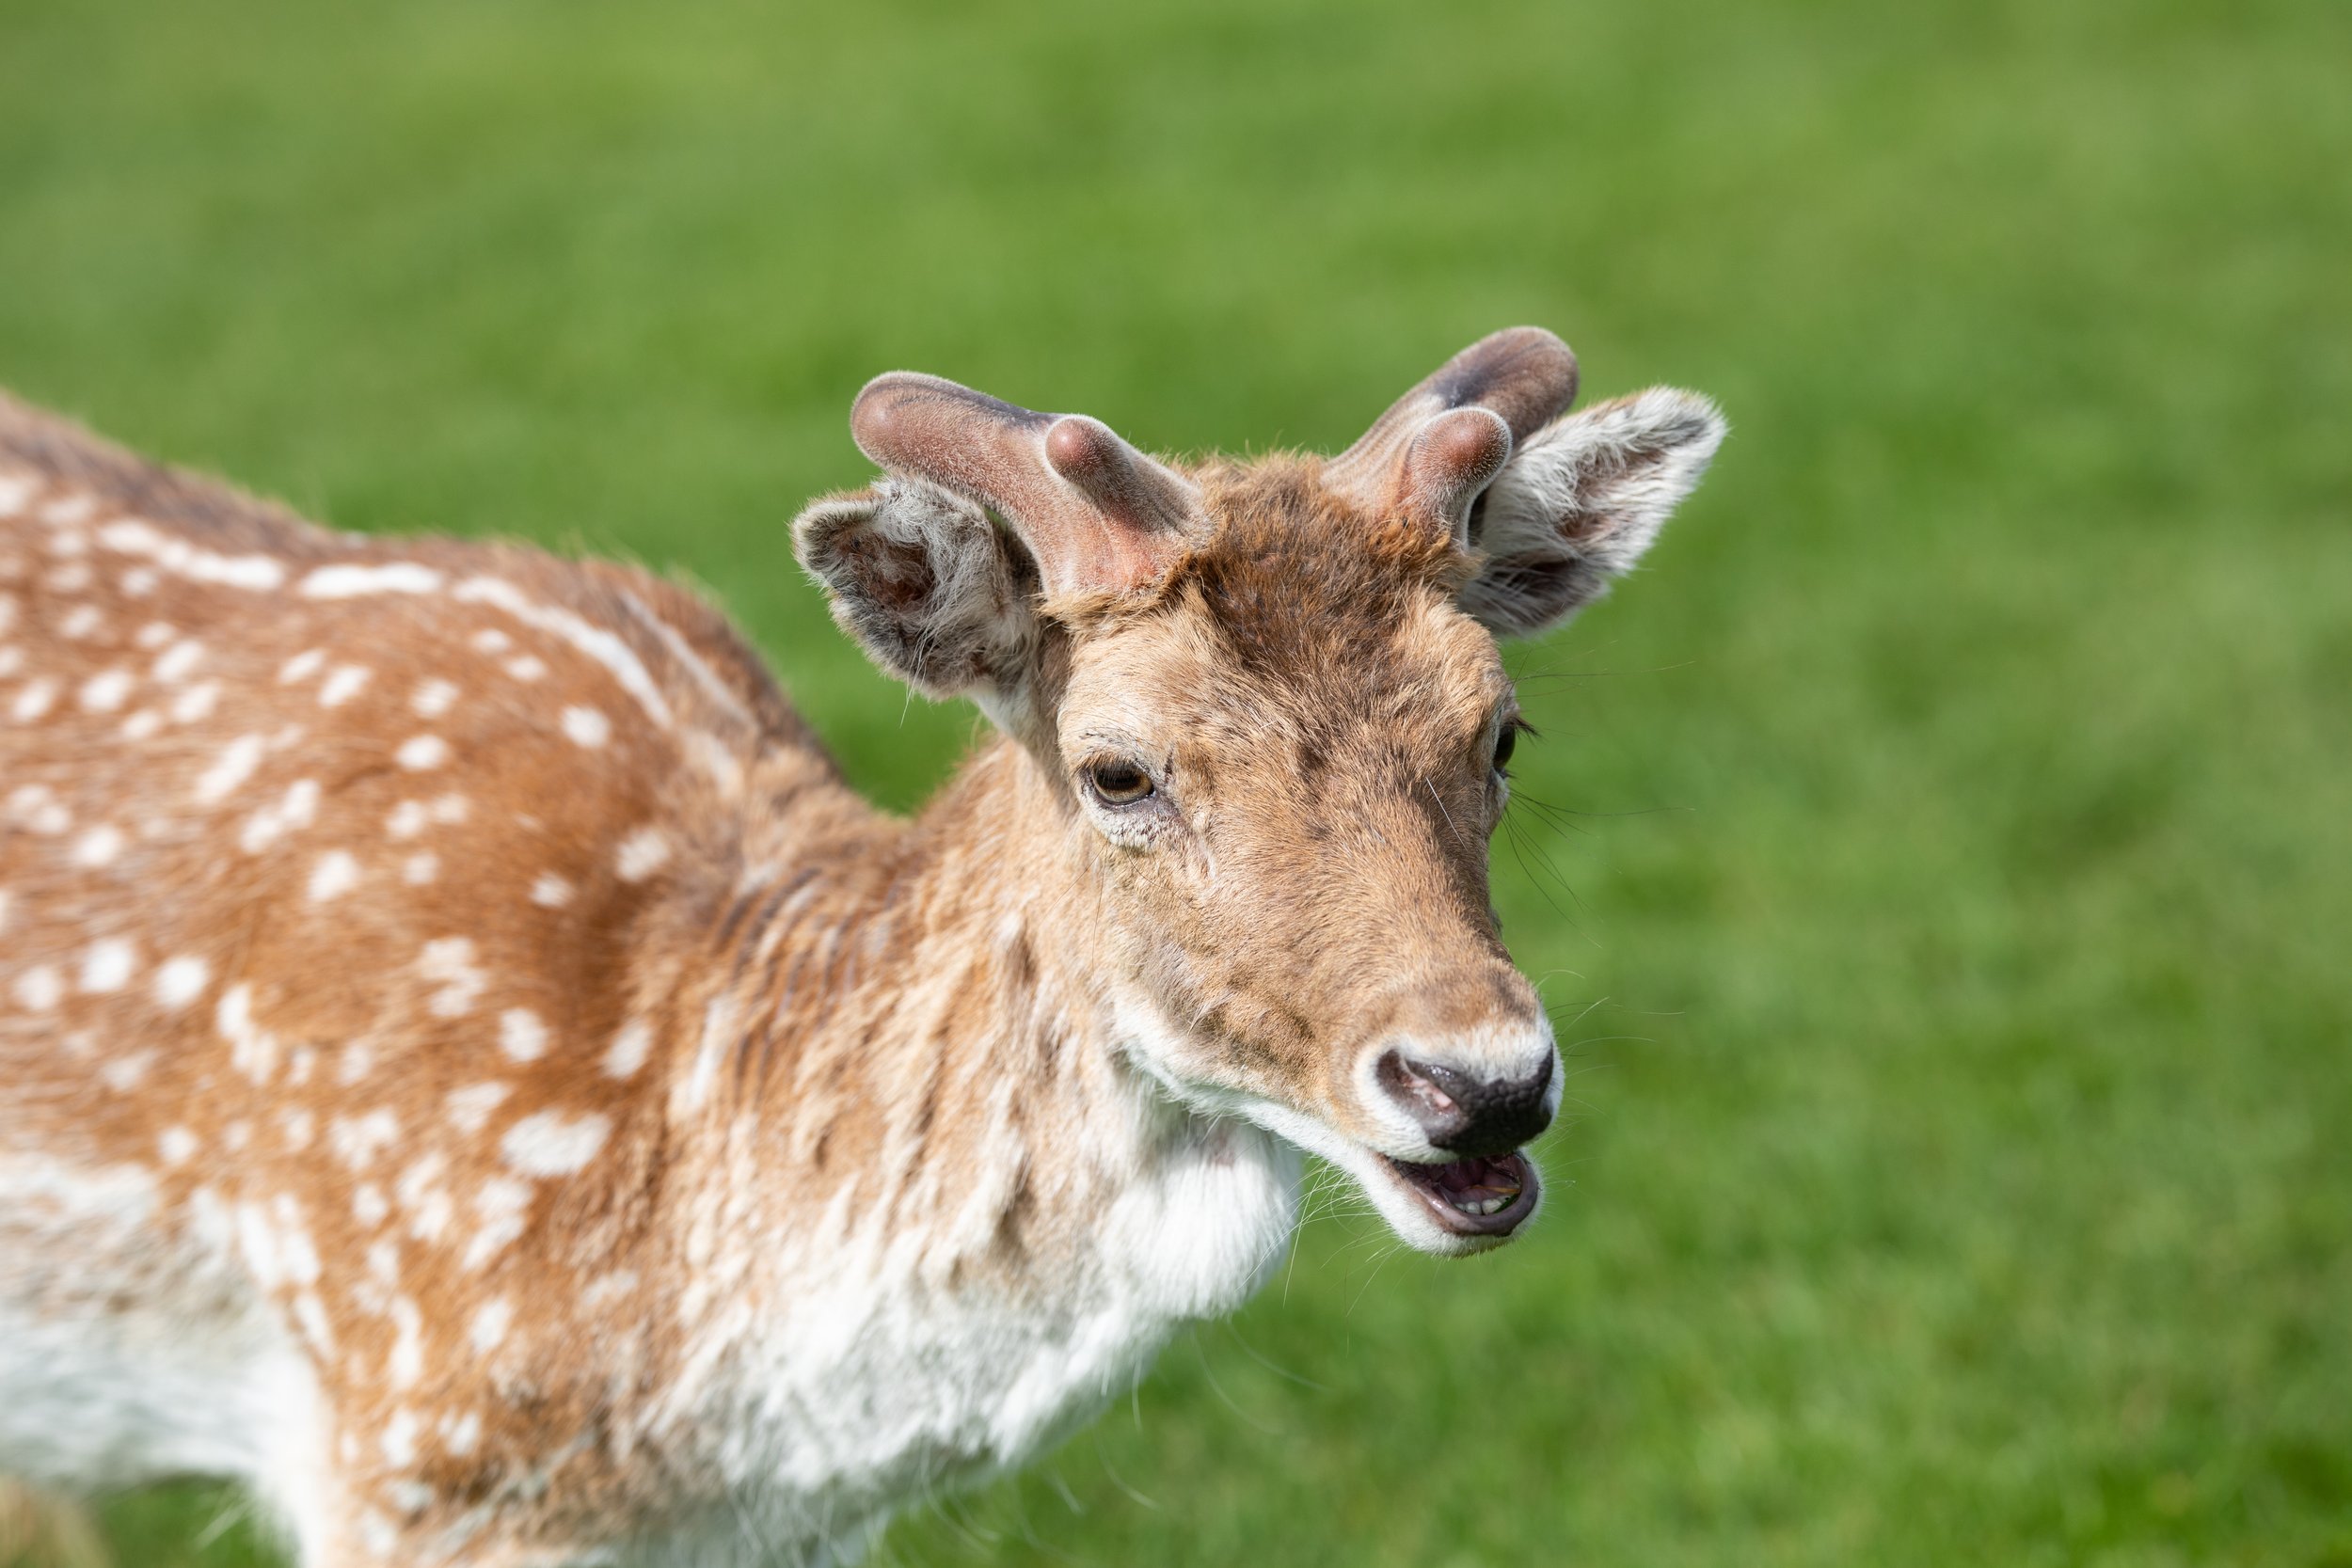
point(1474, 1203)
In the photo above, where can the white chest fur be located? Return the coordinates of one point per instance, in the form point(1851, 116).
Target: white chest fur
point(883, 1382)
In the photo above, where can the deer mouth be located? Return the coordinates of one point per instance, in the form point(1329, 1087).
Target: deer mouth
point(1483, 1196)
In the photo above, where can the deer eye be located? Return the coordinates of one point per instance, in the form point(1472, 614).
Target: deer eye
point(1117, 781)
point(1506, 743)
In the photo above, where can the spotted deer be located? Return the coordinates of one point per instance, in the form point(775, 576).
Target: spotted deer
point(475, 1072)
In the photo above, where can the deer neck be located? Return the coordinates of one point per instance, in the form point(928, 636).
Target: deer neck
point(919, 1063)
point(923, 1164)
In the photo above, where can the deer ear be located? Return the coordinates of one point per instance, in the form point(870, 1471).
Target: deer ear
point(1579, 501)
point(923, 581)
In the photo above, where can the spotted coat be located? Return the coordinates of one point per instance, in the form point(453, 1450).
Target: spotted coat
point(470, 1068)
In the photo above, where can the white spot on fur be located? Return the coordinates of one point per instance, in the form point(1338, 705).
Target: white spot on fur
point(234, 765)
point(85, 623)
point(310, 1313)
point(132, 536)
point(461, 1433)
point(492, 640)
point(630, 1048)
point(416, 870)
point(550, 892)
point(358, 1140)
point(37, 809)
point(411, 1498)
point(432, 699)
point(35, 699)
point(586, 726)
point(267, 826)
point(488, 1329)
point(124, 1073)
point(522, 1035)
point(342, 684)
point(309, 662)
point(210, 1221)
point(527, 668)
point(407, 820)
point(400, 1439)
point(379, 1535)
point(105, 691)
point(177, 1145)
point(642, 853)
point(713, 757)
point(182, 980)
point(296, 1256)
point(421, 1192)
point(502, 1205)
point(469, 1108)
point(406, 1364)
point(369, 1205)
point(107, 966)
point(142, 724)
point(609, 1286)
point(101, 846)
point(553, 1144)
point(299, 1127)
point(39, 988)
point(422, 752)
point(196, 703)
point(351, 582)
point(177, 662)
point(595, 641)
point(336, 873)
point(719, 1033)
point(252, 1050)
point(259, 1243)
point(451, 960)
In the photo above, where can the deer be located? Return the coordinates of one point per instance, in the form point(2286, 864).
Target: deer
point(475, 1072)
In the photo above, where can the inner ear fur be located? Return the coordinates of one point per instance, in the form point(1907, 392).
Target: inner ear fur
point(1579, 503)
point(921, 578)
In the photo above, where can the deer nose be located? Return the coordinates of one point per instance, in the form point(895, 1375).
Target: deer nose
point(1465, 1111)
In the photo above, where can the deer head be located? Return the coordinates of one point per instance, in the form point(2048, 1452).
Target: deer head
point(1265, 702)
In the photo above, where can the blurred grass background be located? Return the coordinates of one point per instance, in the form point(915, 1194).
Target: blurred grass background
point(1953, 933)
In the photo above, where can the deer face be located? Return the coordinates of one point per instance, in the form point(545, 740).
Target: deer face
point(1287, 779)
point(1268, 703)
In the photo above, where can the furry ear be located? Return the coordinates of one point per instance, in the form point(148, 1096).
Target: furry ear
point(923, 581)
point(1578, 504)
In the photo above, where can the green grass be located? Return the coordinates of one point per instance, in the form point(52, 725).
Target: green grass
point(1956, 946)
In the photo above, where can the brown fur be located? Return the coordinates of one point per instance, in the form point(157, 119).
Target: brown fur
point(507, 999)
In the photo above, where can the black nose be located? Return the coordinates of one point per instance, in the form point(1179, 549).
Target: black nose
point(1465, 1112)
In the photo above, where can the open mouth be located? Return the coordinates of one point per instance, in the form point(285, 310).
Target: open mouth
point(1484, 1196)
